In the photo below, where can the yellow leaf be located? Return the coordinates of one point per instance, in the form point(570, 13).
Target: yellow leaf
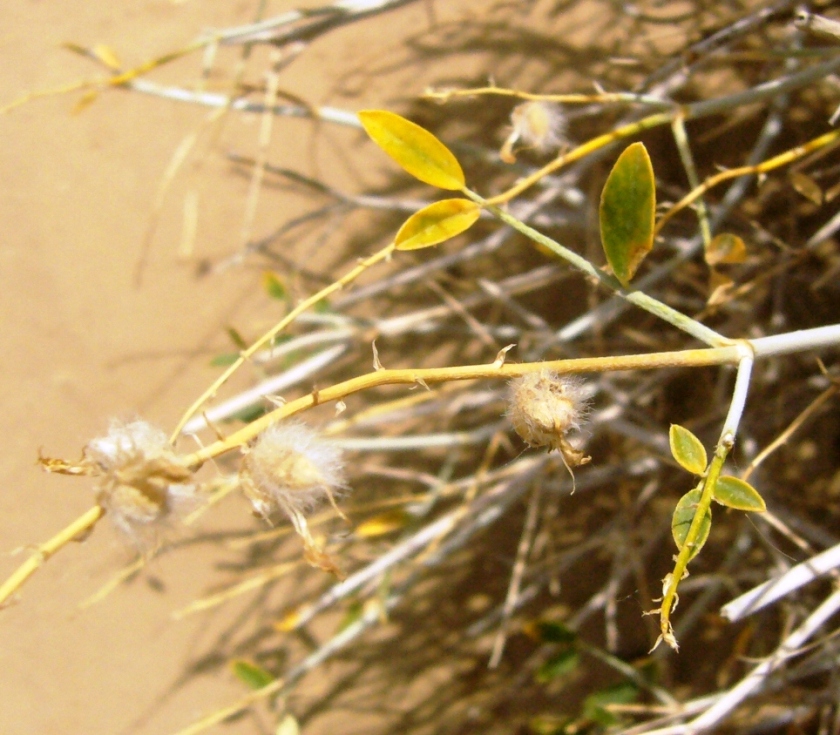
point(107, 56)
point(288, 622)
point(382, 524)
point(436, 223)
point(414, 148)
point(726, 248)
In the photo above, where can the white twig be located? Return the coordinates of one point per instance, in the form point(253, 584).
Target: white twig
point(774, 589)
point(752, 681)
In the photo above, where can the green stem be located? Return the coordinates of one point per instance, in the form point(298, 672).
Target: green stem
point(642, 300)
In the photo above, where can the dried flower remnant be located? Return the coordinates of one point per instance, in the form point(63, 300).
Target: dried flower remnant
point(292, 470)
point(544, 407)
point(538, 125)
point(143, 483)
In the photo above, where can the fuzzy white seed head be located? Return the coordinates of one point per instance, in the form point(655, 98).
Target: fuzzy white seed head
point(291, 469)
point(544, 407)
point(143, 483)
point(537, 124)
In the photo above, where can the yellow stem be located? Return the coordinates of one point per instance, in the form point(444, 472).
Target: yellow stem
point(782, 159)
point(78, 527)
point(416, 376)
point(276, 329)
point(581, 151)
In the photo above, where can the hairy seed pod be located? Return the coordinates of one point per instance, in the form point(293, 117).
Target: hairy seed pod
point(291, 469)
point(544, 407)
point(143, 482)
point(536, 124)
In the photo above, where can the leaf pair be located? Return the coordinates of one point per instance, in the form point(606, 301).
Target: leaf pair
point(730, 491)
point(427, 159)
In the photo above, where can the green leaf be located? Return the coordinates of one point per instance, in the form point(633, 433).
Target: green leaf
point(547, 631)
point(735, 493)
point(253, 676)
point(437, 222)
point(224, 360)
point(273, 286)
point(560, 664)
point(414, 148)
point(628, 204)
point(248, 414)
point(237, 338)
point(684, 515)
point(595, 706)
point(687, 449)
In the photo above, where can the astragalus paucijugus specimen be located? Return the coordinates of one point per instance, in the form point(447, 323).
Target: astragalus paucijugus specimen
point(454, 446)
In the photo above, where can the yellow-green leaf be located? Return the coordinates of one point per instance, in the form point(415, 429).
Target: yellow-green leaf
point(628, 204)
point(437, 222)
point(807, 187)
point(726, 248)
point(273, 285)
point(414, 148)
point(682, 519)
point(253, 676)
point(735, 493)
point(687, 449)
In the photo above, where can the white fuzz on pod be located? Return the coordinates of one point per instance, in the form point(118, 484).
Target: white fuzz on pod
point(544, 407)
point(291, 469)
point(537, 124)
point(143, 482)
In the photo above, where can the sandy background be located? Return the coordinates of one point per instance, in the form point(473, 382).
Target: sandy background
point(83, 344)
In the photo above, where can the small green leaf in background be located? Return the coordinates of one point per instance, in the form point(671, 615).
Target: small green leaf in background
point(436, 223)
point(414, 148)
point(548, 631)
point(224, 360)
point(735, 493)
point(596, 706)
point(726, 248)
point(253, 676)
point(628, 205)
point(237, 338)
point(681, 522)
point(273, 286)
point(687, 449)
point(560, 664)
